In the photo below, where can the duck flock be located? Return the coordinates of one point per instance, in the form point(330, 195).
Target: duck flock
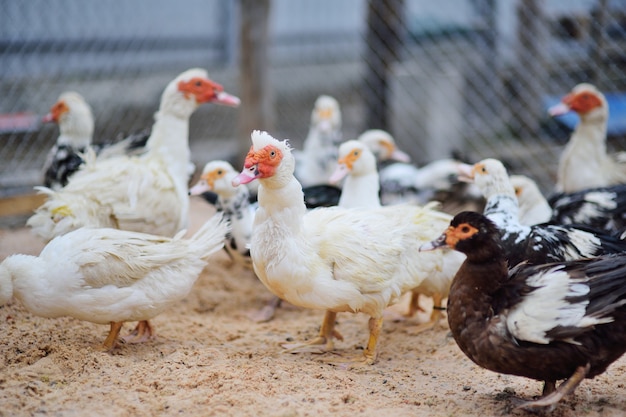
point(535, 286)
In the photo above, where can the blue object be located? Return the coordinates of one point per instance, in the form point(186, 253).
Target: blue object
point(617, 113)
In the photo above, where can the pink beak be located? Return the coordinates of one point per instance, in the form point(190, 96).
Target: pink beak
point(199, 188)
point(465, 173)
point(226, 99)
point(246, 176)
point(559, 109)
point(340, 172)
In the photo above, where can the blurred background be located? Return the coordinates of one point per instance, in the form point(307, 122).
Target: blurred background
point(469, 77)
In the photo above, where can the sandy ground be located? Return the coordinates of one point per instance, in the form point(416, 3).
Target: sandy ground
point(209, 359)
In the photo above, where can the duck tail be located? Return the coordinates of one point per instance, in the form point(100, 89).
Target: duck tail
point(210, 237)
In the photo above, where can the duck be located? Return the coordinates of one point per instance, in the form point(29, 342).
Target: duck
point(585, 163)
point(357, 164)
point(539, 243)
point(383, 146)
point(601, 208)
point(533, 206)
point(317, 159)
point(404, 182)
point(74, 116)
point(110, 276)
point(332, 258)
point(145, 193)
point(547, 322)
point(234, 203)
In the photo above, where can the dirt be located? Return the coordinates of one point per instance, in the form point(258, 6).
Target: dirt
point(210, 359)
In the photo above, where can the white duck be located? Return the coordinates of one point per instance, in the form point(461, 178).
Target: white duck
point(317, 160)
point(601, 208)
point(110, 276)
point(533, 206)
point(584, 162)
point(383, 146)
point(146, 193)
point(357, 164)
point(335, 259)
point(76, 124)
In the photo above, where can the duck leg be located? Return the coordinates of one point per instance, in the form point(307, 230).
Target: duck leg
point(435, 315)
point(142, 333)
point(111, 341)
point(414, 304)
point(555, 396)
point(370, 354)
point(267, 312)
point(323, 342)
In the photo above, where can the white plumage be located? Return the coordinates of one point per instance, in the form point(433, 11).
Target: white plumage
point(383, 146)
point(111, 276)
point(584, 162)
point(533, 207)
point(146, 193)
point(357, 164)
point(335, 259)
point(317, 160)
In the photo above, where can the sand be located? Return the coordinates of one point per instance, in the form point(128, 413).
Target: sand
point(209, 359)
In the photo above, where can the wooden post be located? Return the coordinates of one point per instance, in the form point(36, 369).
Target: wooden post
point(384, 31)
point(257, 104)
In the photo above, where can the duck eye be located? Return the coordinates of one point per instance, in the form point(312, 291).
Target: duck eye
point(219, 172)
point(272, 154)
point(465, 229)
point(198, 83)
point(356, 153)
point(483, 169)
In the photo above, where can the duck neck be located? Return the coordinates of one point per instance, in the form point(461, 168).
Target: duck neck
point(234, 206)
point(360, 191)
point(503, 210)
point(75, 134)
point(170, 141)
point(589, 138)
point(282, 205)
point(471, 299)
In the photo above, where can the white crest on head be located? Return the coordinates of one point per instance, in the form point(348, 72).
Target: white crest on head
point(261, 139)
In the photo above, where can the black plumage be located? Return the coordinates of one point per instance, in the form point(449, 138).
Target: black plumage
point(538, 243)
point(63, 161)
point(601, 208)
point(546, 322)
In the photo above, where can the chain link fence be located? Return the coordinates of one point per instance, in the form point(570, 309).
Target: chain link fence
point(468, 76)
